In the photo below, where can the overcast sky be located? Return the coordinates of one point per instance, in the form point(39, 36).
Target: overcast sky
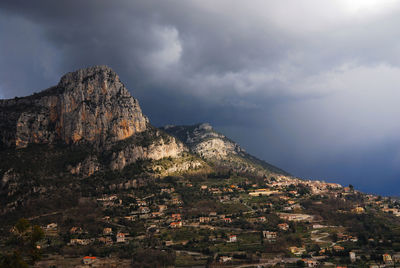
point(309, 85)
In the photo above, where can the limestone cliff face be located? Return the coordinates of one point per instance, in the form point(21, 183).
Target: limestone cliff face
point(204, 141)
point(162, 147)
point(219, 150)
point(87, 106)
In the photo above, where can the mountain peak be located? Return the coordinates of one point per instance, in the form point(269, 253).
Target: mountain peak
point(89, 105)
point(101, 72)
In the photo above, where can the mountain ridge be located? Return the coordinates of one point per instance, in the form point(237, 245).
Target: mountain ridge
point(215, 147)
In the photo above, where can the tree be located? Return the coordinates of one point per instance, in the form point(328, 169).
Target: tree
point(24, 240)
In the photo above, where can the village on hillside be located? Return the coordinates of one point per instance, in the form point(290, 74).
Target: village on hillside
point(232, 221)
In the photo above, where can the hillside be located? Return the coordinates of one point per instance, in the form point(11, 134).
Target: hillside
point(219, 150)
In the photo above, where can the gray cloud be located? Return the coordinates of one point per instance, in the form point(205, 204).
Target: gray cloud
point(308, 85)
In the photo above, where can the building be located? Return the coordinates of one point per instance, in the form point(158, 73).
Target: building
point(358, 210)
point(227, 220)
point(213, 214)
point(262, 219)
point(283, 226)
point(106, 240)
point(352, 256)
point(232, 239)
point(259, 192)
point(107, 231)
point(52, 226)
point(82, 242)
point(176, 224)
point(204, 219)
point(162, 208)
point(338, 248)
point(387, 259)
point(396, 258)
point(89, 260)
point(120, 238)
point(270, 236)
point(76, 230)
point(295, 217)
point(176, 217)
point(310, 262)
point(144, 210)
point(225, 259)
point(297, 251)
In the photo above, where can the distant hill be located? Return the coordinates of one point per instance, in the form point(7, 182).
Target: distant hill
point(216, 148)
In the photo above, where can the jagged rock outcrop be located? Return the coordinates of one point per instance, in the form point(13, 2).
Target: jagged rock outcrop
point(204, 141)
point(218, 149)
point(87, 106)
point(86, 168)
point(158, 149)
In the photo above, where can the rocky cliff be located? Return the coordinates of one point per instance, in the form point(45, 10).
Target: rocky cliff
point(87, 106)
point(216, 148)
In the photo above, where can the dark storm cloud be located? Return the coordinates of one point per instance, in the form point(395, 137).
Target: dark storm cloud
point(309, 85)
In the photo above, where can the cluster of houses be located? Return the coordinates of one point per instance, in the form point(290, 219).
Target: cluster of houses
point(164, 211)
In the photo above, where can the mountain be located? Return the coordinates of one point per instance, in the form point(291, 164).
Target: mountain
point(88, 127)
point(87, 106)
point(219, 150)
point(83, 164)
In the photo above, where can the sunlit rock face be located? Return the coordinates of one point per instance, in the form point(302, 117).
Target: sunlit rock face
point(87, 106)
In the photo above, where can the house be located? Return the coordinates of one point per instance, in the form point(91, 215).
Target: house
point(358, 210)
point(156, 214)
point(52, 226)
point(75, 230)
point(176, 217)
point(162, 208)
point(120, 238)
point(338, 248)
point(203, 187)
point(270, 236)
point(232, 239)
point(352, 256)
point(295, 217)
point(82, 242)
point(310, 262)
point(141, 203)
point(225, 259)
point(106, 240)
point(227, 220)
point(107, 231)
point(176, 224)
point(204, 219)
point(396, 258)
point(262, 219)
point(387, 259)
point(130, 218)
point(89, 260)
point(259, 192)
point(297, 251)
point(144, 210)
point(176, 201)
point(283, 226)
